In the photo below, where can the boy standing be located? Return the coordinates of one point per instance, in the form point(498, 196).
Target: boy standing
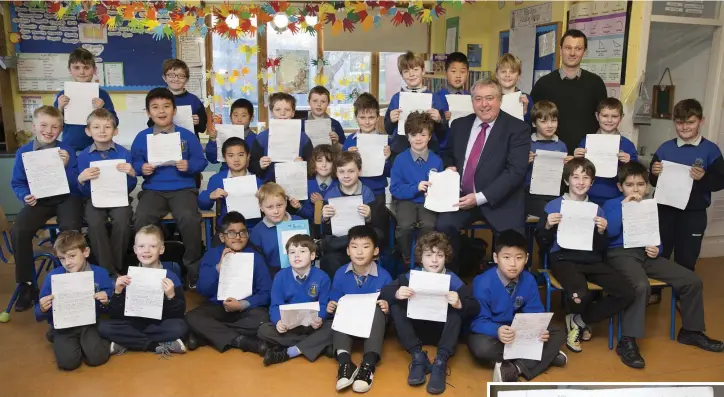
point(456, 72)
point(299, 283)
point(241, 113)
point(638, 264)
point(575, 268)
point(111, 256)
point(411, 67)
point(82, 67)
point(170, 188)
point(361, 276)
point(47, 125)
point(230, 322)
point(410, 179)
point(502, 292)
point(72, 346)
point(176, 75)
point(319, 99)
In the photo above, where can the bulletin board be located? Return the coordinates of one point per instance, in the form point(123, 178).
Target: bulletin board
point(45, 43)
point(549, 62)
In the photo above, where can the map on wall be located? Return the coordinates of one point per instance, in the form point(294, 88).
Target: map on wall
point(605, 24)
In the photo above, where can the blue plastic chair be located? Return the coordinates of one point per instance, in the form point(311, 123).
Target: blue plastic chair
point(48, 262)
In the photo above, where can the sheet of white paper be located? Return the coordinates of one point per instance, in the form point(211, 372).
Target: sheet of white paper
point(346, 214)
point(674, 185)
point(164, 149)
point(242, 196)
point(110, 188)
point(184, 117)
point(293, 178)
point(546, 44)
point(45, 172)
point(511, 105)
point(412, 102)
point(224, 132)
point(73, 303)
point(459, 105)
point(284, 137)
point(451, 40)
point(522, 44)
point(355, 313)
point(651, 391)
point(528, 328)
point(236, 277)
point(602, 150)
point(444, 191)
point(81, 101)
point(371, 148)
point(299, 314)
point(430, 299)
point(144, 295)
point(576, 229)
point(640, 224)
point(547, 173)
point(318, 131)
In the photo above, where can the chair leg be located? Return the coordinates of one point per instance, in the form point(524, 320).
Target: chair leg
point(412, 249)
point(672, 332)
point(5, 316)
point(7, 243)
point(620, 325)
point(610, 333)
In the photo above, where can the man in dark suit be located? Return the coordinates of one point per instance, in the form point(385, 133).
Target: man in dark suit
point(490, 150)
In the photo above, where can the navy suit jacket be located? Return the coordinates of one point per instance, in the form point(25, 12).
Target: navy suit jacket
point(501, 170)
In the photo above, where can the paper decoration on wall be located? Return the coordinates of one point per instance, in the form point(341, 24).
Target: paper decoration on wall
point(248, 51)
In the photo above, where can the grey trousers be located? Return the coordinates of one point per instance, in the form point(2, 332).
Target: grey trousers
point(489, 350)
point(219, 327)
point(73, 346)
point(311, 342)
point(409, 216)
point(372, 344)
point(635, 266)
point(110, 252)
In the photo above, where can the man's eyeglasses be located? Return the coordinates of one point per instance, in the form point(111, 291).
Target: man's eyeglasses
point(243, 233)
point(175, 76)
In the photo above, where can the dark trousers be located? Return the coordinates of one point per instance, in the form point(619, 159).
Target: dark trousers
point(373, 344)
point(412, 216)
point(219, 328)
point(73, 346)
point(110, 252)
point(380, 217)
point(154, 205)
point(311, 342)
point(535, 204)
point(574, 278)
point(682, 232)
point(413, 334)
point(489, 350)
point(636, 267)
point(69, 212)
point(142, 334)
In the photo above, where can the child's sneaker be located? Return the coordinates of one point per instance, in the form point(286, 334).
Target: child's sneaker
point(419, 368)
point(573, 342)
point(586, 334)
point(164, 349)
point(561, 359)
point(363, 379)
point(438, 375)
point(117, 349)
point(346, 374)
point(275, 356)
point(505, 372)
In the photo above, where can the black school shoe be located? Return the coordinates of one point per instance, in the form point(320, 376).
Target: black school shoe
point(419, 368)
point(700, 340)
point(346, 373)
point(275, 356)
point(438, 375)
point(628, 350)
point(505, 371)
point(27, 297)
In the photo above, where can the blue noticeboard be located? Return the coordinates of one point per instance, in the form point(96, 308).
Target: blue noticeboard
point(141, 54)
point(548, 62)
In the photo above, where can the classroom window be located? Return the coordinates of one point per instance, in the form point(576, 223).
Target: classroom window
point(348, 74)
point(240, 74)
point(390, 79)
point(295, 73)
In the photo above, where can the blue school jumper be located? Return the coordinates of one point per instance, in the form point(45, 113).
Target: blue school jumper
point(90, 154)
point(336, 126)
point(264, 237)
point(347, 282)
point(407, 174)
point(604, 189)
point(74, 134)
point(217, 182)
point(260, 148)
point(287, 289)
point(706, 155)
point(613, 209)
point(313, 186)
point(212, 147)
point(378, 184)
point(197, 108)
point(497, 306)
point(169, 178)
point(553, 145)
point(400, 142)
point(102, 282)
point(208, 282)
point(19, 180)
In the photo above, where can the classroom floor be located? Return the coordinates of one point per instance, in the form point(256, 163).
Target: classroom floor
point(27, 366)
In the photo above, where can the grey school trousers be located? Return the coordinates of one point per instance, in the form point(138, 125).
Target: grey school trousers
point(372, 344)
point(73, 346)
point(311, 342)
point(634, 265)
point(109, 251)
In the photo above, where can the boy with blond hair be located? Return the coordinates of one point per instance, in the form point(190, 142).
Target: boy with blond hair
point(507, 72)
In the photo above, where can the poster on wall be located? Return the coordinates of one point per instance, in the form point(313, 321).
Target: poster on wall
point(605, 23)
point(531, 16)
point(293, 71)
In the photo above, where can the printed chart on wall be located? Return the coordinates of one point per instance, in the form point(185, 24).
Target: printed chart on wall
point(605, 23)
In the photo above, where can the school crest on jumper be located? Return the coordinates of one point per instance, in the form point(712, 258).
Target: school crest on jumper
point(184, 145)
point(699, 163)
point(518, 302)
point(313, 290)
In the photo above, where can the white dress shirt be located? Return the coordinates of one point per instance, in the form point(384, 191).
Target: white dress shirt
point(474, 132)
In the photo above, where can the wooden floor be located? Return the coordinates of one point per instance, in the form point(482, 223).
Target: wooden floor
point(27, 367)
